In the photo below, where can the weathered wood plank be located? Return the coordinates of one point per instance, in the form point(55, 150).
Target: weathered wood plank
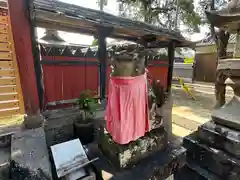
point(16, 70)
point(9, 112)
point(7, 72)
point(3, 29)
point(3, 19)
point(8, 97)
point(7, 81)
point(6, 64)
point(5, 56)
point(5, 47)
point(4, 38)
point(8, 89)
point(7, 105)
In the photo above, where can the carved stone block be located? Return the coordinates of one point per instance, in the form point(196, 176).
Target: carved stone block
point(220, 137)
point(123, 156)
point(217, 161)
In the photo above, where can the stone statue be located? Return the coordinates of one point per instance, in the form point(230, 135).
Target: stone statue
point(131, 61)
point(135, 129)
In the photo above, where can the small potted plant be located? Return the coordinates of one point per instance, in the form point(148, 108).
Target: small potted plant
point(84, 128)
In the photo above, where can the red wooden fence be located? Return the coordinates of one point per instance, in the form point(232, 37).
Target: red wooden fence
point(65, 77)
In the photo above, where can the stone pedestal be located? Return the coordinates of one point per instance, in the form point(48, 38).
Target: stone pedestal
point(33, 121)
point(157, 166)
point(125, 156)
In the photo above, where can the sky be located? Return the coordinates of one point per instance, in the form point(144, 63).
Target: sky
point(110, 8)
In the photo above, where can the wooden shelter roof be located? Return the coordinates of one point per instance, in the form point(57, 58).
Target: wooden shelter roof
point(226, 18)
point(67, 17)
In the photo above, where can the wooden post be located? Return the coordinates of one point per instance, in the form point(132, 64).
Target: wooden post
point(171, 51)
point(102, 55)
point(37, 66)
point(23, 47)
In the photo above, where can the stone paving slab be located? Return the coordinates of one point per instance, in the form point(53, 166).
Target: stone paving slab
point(29, 156)
point(4, 163)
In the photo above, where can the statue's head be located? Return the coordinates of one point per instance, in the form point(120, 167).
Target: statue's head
point(127, 61)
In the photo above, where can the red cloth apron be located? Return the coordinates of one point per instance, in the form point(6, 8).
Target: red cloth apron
point(127, 113)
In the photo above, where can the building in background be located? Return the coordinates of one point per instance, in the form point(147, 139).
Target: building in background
point(205, 58)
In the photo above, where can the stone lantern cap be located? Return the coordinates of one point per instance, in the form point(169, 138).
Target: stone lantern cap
point(226, 18)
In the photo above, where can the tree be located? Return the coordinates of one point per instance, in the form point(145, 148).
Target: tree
point(95, 42)
point(160, 12)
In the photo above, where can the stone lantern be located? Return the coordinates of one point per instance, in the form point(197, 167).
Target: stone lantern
point(229, 19)
point(213, 151)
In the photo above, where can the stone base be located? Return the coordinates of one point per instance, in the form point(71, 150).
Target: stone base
point(229, 114)
point(123, 156)
point(59, 125)
point(222, 164)
point(29, 156)
point(157, 166)
point(32, 122)
point(221, 137)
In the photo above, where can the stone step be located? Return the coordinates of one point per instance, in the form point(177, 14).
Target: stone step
point(29, 156)
point(215, 160)
point(204, 174)
point(5, 154)
point(221, 137)
point(187, 173)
